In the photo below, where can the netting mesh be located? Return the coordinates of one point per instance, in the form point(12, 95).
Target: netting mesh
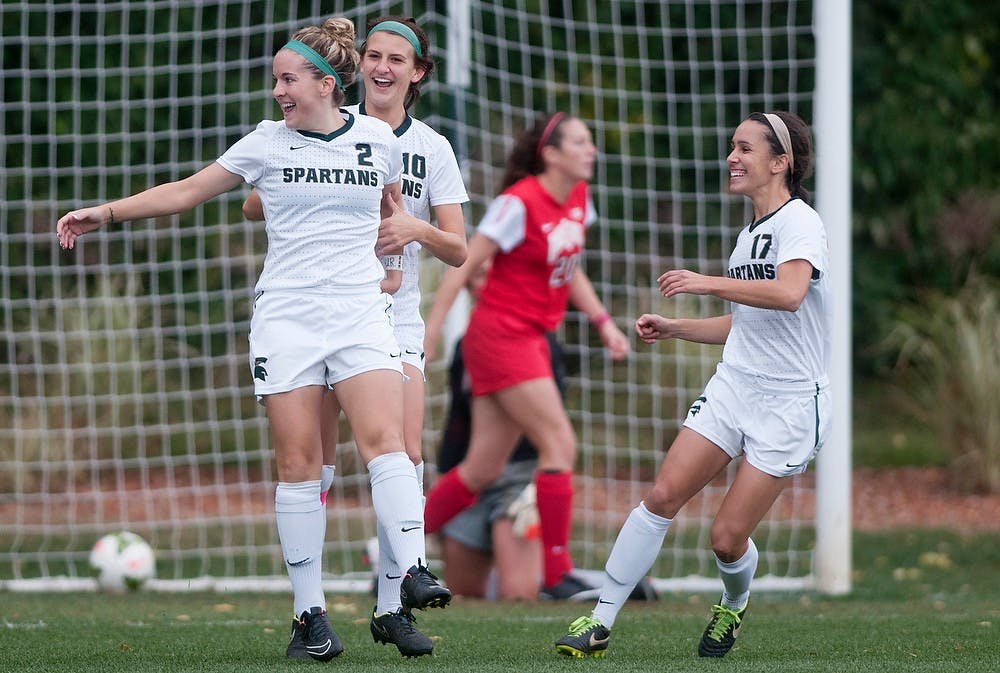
point(125, 399)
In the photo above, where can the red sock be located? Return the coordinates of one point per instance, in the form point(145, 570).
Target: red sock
point(554, 494)
point(449, 496)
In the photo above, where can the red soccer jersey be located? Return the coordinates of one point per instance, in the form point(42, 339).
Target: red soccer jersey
point(540, 246)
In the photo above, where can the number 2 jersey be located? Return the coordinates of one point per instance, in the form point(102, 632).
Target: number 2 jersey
point(541, 242)
point(431, 177)
point(782, 345)
point(322, 199)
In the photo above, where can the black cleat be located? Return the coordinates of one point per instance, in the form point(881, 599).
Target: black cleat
point(398, 628)
point(569, 588)
point(421, 589)
point(318, 639)
point(587, 637)
point(721, 632)
point(296, 647)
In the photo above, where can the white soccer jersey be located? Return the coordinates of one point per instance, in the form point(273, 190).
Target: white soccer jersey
point(322, 199)
point(782, 345)
point(431, 177)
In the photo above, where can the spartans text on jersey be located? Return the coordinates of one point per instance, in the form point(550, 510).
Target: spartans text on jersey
point(333, 176)
point(754, 271)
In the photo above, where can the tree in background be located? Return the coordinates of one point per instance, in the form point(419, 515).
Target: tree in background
point(926, 172)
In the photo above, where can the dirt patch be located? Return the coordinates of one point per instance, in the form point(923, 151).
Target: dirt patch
point(882, 499)
point(911, 497)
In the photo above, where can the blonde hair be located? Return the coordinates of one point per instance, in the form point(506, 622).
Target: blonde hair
point(334, 41)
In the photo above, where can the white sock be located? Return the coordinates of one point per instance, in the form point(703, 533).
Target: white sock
point(390, 576)
point(396, 499)
point(301, 520)
point(326, 481)
point(736, 577)
point(635, 550)
point(419, 468)
point(326, 478)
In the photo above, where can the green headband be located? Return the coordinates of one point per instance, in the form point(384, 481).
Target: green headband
point(402, 30)
point(313, 57)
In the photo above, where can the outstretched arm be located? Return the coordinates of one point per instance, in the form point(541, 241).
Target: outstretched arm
point(166, 199)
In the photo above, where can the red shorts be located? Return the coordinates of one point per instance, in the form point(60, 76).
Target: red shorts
point(500, 352)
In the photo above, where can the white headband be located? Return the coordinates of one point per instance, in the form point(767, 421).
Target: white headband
point(780, 130)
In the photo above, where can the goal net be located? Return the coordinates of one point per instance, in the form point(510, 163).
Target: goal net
point(125, 395)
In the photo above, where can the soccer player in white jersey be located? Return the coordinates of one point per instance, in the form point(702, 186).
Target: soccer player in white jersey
point(326, 179)
point(768, 400)
point(395, 61)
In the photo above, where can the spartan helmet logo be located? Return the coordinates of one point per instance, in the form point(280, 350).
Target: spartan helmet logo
point(258, 369)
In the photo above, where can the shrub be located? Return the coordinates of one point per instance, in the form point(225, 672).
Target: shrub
point(949, 372)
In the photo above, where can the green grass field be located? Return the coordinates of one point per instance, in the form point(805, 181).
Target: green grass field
point(927, 601)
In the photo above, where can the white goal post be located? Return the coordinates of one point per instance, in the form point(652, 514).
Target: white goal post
point(125, 395)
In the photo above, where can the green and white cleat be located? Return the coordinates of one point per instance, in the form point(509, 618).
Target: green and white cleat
point(721, 632)
point(587, 637)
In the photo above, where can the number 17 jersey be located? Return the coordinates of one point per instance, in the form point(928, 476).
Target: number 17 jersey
point(773, 344)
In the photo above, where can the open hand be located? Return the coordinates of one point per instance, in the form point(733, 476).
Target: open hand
point(78, 222)
point(681, 281)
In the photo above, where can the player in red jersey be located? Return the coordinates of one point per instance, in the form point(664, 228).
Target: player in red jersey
point(534, 233)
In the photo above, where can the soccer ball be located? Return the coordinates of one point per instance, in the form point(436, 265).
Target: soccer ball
point(122, 561)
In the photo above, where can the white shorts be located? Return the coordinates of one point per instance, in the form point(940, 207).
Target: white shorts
point(314, 338)
point(777, 426)
point(410, 337)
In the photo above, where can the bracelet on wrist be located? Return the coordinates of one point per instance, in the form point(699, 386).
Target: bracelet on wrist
point(392, 262)
point(599, 319)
